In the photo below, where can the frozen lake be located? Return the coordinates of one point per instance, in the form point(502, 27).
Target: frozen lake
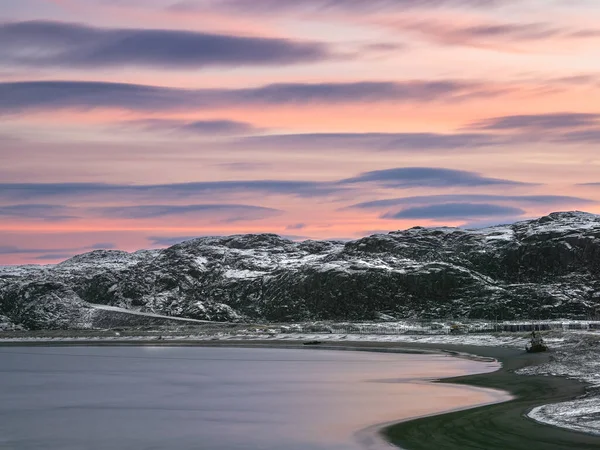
point(194, 398)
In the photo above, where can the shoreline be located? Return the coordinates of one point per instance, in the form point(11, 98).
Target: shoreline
point(501, 426)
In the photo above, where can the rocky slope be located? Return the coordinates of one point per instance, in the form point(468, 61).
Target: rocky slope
point(544, 268)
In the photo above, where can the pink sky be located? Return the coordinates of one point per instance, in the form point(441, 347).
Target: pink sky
point(129, 124)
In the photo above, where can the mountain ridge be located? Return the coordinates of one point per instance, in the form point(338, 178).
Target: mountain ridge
point(542, 268)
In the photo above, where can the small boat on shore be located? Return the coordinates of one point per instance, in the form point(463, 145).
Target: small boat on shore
point(536, 344)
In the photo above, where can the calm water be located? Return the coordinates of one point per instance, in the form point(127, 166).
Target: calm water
point(142, 398)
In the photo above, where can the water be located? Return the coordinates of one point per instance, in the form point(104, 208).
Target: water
point(193, 398)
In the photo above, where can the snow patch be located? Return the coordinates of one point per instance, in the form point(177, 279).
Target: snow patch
point(243, 273)
point(138, 313)
point(577, 415)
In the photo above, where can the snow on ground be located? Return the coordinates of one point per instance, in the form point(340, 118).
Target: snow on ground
point(473, 339)
point(22, 271)
point(578, 356)
point(138, 313)
point(243, 273)
point(7, 325)
point(266, 334)
point(579, 415)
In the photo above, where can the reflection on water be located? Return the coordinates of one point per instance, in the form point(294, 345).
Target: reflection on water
point(133, 398)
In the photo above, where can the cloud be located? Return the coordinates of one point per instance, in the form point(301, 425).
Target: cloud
point(565, 127)
point(8, 138)
point(244, 166)
point(217, 212)
point(227, 212)
point(52, 95)
point(462, 198)
point(539, 122)
point(216, 127)
point(168, 241)
point(54, 256)
point(412, 90)
point(59, 253)
point(103, 246)
point(32, 191)
point(495, 221)
point(271, 7)
point(383, 47)
point(582, 136)
point(410, 177)
point(39, 212)
point(495, 35)
point(14, 250)
point(296, 226)
point(457, 211)
point(23, 96)
point(371, 141)
point(224, 127)
point(47, 43)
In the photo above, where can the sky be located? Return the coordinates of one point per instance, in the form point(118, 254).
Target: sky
point(129, 124)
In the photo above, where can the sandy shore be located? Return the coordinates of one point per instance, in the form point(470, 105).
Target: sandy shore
point(501, 426)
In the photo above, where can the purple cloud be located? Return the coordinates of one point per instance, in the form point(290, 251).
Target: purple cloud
point(457, 211)
point(227, 212)
point(18, 97)
point(216, 127)
point(410, 177)
point(541, 122)
point(34, 191)
point(298, 6)
point(372, 141)
point(462, 198)
point(46, 43)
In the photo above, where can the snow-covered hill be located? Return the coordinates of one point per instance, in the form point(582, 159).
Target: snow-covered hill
point(543, 268)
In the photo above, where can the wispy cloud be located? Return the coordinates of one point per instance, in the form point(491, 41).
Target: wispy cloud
point(32, 191)
point(45, 43)
point(544, 200)
point(455, 211)
point(539, 122)
point(583, 137)
point(372, 141)
point(410, 177)
point(565, 127)
point(296, 226)
point(227, 212)
point(54, 257)
point(37, 212)
point(51, 95)
point(244, 166)
point(215, 127)
point(321, 6)
point(495, 35)
point(58, 253)
point(405, 177)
